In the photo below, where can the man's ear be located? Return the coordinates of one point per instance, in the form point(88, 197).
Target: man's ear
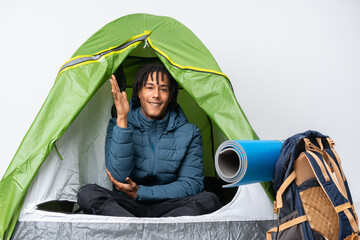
point(138, 94)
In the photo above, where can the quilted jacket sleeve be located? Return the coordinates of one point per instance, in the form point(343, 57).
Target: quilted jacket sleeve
point(119, 151)
point(190, 176)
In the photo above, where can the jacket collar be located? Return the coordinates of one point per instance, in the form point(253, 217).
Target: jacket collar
point(173, 120)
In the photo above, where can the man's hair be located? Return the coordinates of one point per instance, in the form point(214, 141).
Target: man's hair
point(141, 79)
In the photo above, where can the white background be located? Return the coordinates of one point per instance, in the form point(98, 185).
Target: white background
point(294, 65)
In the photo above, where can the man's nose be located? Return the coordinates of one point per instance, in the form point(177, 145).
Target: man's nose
point(156, 93)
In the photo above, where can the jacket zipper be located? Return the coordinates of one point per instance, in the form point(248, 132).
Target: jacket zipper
point(153, 152)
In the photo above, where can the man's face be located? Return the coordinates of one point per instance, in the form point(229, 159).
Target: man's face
point(155, 97)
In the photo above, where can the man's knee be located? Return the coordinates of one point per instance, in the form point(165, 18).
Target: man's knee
point(209, 201)
point(89, 194)
point(204, 203)
point(86, 191)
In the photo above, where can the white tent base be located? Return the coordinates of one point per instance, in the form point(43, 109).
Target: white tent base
point(248, 216)
point(80, 226)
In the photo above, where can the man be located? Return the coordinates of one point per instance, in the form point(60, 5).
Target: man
point(153, 155)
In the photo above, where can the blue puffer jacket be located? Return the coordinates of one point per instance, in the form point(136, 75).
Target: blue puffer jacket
point(164, 157)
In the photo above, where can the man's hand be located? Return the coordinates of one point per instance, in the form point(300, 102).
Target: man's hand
point(121, 103)
point(130, 188)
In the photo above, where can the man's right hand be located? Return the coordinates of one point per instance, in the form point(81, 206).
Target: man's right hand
point(121, 103)
point(130, 188)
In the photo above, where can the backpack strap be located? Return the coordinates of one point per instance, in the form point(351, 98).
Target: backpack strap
point(328, 160)
point(353, 221)
point(338, 181)
point(340, 174)
point(332, 144)
point(309, 147)
point(353, 236)
point(286, 225)
point(279, 203)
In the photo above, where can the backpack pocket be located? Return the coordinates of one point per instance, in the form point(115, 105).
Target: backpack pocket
point(294, 232)
point(319, 210)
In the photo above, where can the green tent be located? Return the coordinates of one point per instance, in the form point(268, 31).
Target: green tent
point(206, 96)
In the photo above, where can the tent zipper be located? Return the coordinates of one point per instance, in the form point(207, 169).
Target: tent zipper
point(82, 60)
point(146, 43)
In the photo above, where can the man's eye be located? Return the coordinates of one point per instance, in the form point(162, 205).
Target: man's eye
point(149, 88)
point(164, 89)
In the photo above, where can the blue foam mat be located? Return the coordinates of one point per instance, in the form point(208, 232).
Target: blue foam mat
point(241, 162)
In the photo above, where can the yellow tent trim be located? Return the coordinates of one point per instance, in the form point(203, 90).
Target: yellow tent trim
point(183, 67)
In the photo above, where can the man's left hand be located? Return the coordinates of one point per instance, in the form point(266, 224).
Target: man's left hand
point(130, 188)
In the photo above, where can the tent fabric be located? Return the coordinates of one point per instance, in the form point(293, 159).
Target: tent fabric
point(233, 221)
point(65, 130)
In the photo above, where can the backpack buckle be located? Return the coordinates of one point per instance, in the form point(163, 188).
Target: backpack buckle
point(331, 142)
point(307, 142)
point(275, 208)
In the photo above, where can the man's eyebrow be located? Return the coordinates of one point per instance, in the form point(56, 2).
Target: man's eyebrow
point(151, 84)
point(161, 85)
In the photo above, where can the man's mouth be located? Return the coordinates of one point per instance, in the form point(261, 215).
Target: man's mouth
point(155, 104)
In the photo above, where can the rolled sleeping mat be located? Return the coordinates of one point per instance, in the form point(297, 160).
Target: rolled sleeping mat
point(241, 162)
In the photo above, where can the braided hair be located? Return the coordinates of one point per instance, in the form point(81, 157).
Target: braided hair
point(141, 79)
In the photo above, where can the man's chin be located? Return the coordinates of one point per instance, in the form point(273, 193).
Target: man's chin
point(157, 116)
